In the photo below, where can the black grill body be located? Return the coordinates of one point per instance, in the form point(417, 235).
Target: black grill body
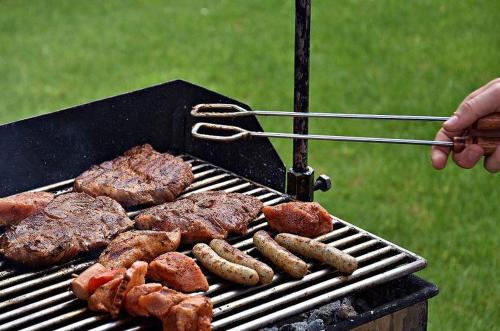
point(61, 145)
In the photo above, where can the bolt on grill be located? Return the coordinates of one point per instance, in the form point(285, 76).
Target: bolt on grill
point(42, 300)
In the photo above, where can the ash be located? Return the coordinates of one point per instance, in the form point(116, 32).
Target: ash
point(318, 319)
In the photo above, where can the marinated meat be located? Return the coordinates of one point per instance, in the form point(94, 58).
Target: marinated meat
point(102, 299)
point(142, 245)
point(80, 285)
point(158, 304)
point(17, 207)
point(192, 314)
point(131, 304)
point(142, 176)
point(69, 224)
point(134, 276)
point(306, 219)
point(179, 272)
point(203, 216)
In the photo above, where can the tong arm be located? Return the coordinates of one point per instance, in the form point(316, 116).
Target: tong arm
point(238, 132)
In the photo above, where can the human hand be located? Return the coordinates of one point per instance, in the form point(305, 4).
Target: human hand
point(484, 101)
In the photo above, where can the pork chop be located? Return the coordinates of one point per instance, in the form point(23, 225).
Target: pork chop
point(142, 176)
point(70, 224)
point(203, 216)
point(17, 207)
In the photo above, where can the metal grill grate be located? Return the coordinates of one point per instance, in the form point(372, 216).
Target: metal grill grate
point(41, 300)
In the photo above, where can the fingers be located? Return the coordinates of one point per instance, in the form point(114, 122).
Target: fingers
point(478, 104)
point(492, 163)
point(439, 154)
point(469, 156)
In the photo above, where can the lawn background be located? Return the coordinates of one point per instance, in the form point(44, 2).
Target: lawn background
point(394, 57)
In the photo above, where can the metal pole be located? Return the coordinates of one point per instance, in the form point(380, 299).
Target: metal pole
point(300, 178)
point(301, 81)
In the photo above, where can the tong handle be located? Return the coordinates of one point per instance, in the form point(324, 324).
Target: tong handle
point(485, 132)
point(238, 132)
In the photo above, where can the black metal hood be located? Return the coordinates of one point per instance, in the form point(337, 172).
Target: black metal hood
point(61, 145)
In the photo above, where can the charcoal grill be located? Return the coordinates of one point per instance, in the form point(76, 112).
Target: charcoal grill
point(45, 153)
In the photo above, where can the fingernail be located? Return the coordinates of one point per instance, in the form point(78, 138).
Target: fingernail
point(438, 161)
point(452, 121)
point(473, 155)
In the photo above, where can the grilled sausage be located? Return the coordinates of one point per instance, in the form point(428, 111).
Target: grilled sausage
point(278, 255)
point(230, 271)
point(233, 254)
point(319, 251)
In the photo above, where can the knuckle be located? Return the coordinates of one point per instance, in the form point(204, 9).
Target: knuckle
point(496, 89)
point(467, 106)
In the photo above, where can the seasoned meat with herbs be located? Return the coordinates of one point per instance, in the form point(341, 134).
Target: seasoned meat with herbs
point(179, 272)
point(17, 207)
point(103, 297)
point(70, 224)
point(142, 176)
point(193, 314)
point(131, 304)
point(306, 219)
point(203, 216)
point(138, 245)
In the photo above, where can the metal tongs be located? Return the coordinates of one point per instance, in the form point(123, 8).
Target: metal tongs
point(485, 132)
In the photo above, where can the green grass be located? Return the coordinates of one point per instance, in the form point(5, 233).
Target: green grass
point(395, 57)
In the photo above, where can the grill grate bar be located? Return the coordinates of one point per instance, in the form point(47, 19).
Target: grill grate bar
point(84, 322)
point(279, 288)
point(40, 280)
point(273, 304)
point(39, 313)
point(328, 297)
point(26, 275)
point(36, 305)
point(213, 187)
point(56, 320)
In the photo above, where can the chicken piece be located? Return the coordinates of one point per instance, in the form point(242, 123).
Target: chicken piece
point(131, 303)
point(102, 299)
point(17, 207)
point(100, 279)
point(141, 245)
point(158, 304)
point(179, 272)
point(134, 276)
point(192, 314)
point(307, 219)
point(80, 285)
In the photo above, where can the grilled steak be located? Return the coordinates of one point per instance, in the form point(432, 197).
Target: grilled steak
point(203, 216)
point(132, 246)
point(142, 176)
point(17, 207)
point(306, 219)
point(70, 224)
